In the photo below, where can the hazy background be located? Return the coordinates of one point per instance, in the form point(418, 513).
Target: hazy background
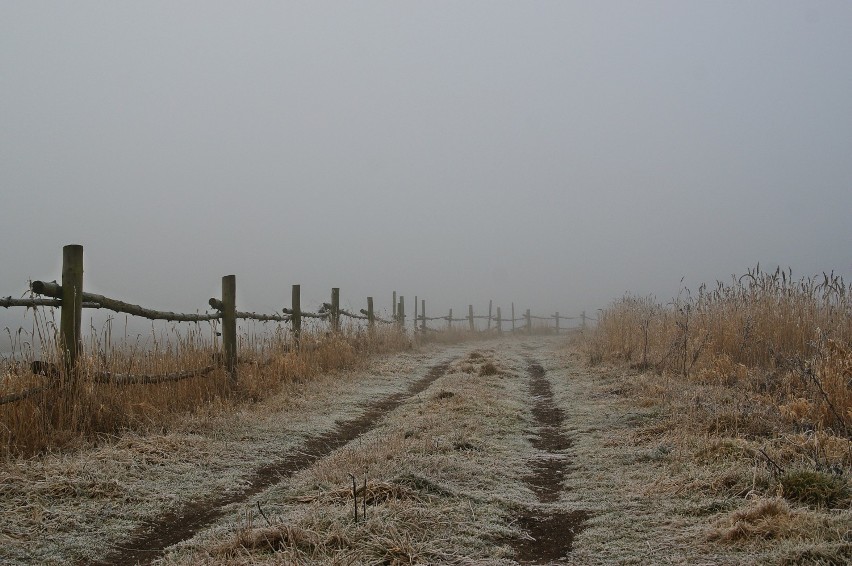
point(554, 154)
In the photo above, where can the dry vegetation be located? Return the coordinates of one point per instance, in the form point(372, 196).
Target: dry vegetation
point(749, 392)
point(64, 414)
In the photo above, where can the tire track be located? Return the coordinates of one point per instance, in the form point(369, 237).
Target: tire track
point(552, 531)
point(178, 526)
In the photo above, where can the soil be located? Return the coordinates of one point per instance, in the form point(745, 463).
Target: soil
point(550, 533)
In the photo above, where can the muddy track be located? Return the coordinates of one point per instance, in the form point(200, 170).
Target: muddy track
point(552, 531)
point(180, 525)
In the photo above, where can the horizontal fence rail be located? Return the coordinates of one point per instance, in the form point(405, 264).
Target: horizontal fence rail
point(70, 298)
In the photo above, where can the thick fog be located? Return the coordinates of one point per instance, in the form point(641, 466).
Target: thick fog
point(551, 154)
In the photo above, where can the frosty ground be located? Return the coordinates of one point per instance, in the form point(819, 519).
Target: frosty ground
point(486, 452)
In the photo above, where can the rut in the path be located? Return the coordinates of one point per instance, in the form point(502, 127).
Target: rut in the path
point(552, 531)
point(182, 524)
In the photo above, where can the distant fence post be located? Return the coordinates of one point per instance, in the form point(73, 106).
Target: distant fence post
point(296, 313)
point(557, 322)
point(335, 309)
point(423, 315)
point(450, 320)
point(499, 322)
point(583, 319)
point(71, 315)
point(529, 322)
point(400, 312)
point(393, 306)
point(371, 317)
point(470, 317)
point(513, 318)
point(229, 325)
point(415, 314)
point(489, 314)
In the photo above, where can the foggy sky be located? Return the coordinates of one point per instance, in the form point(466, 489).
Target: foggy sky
point(554, 154)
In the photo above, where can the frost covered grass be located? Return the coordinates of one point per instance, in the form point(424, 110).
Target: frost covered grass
point(65, 414)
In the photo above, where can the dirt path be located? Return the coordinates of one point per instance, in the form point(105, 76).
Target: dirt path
point(501, 452)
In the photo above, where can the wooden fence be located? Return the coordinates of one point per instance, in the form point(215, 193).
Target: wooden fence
point(70, 298)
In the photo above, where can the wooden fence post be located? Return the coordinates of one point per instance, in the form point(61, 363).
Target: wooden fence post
point(371, 317)
point(415, 314)
point(529, 322)
point(229, 325)
point(489, 314)
point(71, 315)
point(470, 317)
point(296, 313)
point(335, 309)
point(583, 318)
point(394, 306)
point(499, 322)
point(450, 320)
point(423, 315)
point(557, 322)
point(400, 312)
point(513, 318)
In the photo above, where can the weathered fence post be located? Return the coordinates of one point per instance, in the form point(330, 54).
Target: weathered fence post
point(296, 313)
point(489, 314)
point(335, 309)
point(415, 314)
point(499, 322)
point(400, 312)
point(423, 315)
point(583, 319)
point(557, 322)
point(513, 318)
point(470, 317)
point(71, 315)
point(529, 322)
point(450, 320)
point(394, 306)
point(229, 325)
point(371, 317)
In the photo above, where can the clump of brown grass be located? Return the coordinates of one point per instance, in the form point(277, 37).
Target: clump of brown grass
point(773, 519)
point(763, 519)
point(272, 538)
point(488, 368)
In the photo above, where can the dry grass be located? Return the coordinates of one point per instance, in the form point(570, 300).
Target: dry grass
point(66, 413)
point(763, 333)
point(748, 388)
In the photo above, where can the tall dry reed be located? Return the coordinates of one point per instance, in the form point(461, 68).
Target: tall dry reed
point(790, 340)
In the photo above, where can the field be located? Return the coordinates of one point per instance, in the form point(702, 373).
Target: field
point(711, 430)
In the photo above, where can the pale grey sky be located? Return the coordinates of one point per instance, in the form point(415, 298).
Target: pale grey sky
point(554, 154)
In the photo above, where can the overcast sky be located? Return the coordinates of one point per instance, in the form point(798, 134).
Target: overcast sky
point(554, 154)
